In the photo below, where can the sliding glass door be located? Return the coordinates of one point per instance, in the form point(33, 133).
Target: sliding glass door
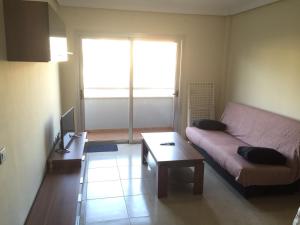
point(154, 79)
point(128, 85)
point(106, 76)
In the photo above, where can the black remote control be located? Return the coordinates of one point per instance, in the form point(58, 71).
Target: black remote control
point(168, 143)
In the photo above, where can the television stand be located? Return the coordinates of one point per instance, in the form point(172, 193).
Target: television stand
point(56, 202)
point(62, 151)
point(74, 150)
point(74, 135)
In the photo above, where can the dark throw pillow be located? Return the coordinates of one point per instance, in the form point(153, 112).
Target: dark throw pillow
point(206, 124)
point(262, 155)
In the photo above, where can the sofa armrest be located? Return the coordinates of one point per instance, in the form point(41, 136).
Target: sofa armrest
point(297, 218)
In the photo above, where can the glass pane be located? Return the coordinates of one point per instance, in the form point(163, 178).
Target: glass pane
point(106, 63)
point(106, 69)
point(154, 83)
point(154, 68)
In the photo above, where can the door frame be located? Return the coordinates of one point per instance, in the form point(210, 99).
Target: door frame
point(131, 37)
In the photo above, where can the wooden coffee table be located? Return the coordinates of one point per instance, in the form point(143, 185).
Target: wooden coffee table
point(166, 156)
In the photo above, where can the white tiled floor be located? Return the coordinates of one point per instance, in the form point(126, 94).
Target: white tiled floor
point(117, 187)
point(104, 189)
point(105, 209)
point(118, 190)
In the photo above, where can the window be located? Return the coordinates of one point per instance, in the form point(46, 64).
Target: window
point(154, 68)
point(106, 68)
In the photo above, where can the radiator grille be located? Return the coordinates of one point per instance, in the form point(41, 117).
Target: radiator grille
point(201, 101)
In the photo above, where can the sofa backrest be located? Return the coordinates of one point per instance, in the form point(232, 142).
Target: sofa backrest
point(261, 128)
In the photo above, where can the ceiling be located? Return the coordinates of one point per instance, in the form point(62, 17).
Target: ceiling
point(203, 7)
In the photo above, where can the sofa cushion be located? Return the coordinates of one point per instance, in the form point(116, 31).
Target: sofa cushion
point(222, 147)
point(206, 124)
point(261, 155)
point(257, 127)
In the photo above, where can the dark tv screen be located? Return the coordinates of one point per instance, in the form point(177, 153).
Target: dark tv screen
point(67, 128)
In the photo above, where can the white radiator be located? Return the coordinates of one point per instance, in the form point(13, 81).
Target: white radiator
point(201, 101)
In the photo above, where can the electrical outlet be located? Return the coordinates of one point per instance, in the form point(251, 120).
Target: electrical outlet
point(2, 155)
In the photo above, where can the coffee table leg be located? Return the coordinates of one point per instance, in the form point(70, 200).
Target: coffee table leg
point(162, 181)
point(144, 153)
point(198, 178)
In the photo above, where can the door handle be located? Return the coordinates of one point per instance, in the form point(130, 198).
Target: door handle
point(81, 94)
point(176, 93)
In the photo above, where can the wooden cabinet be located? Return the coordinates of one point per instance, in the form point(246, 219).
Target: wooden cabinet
point(29, 27)
point(57, 201)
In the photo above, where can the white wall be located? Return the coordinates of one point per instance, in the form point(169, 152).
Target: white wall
point(264, 68)
point(29, 121)
point(113, 113)
point(203, 45)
